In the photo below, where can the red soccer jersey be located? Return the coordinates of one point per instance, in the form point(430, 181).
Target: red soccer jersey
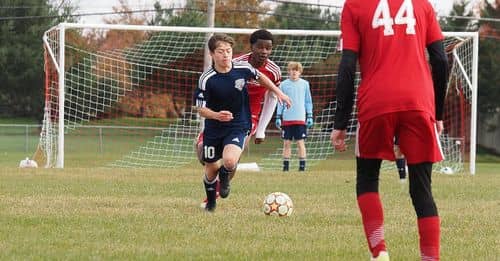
point(390, 37)
point(256, 92)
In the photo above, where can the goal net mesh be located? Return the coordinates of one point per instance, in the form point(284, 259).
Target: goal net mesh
point(128, 97)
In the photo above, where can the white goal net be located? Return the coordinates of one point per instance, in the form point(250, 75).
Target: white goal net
point(121, 96)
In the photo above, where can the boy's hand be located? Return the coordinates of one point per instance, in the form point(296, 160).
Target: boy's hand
point(338, 139)
point(224, 116)
point(286, 100)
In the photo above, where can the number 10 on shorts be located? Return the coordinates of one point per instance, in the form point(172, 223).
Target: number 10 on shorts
point(209, 152)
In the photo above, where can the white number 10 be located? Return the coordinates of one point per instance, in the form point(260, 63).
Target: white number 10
point(382, 17)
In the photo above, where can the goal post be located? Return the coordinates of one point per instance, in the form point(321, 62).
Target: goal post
point(121, 95)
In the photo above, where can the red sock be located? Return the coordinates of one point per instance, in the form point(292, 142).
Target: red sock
point(428, 230)
point(373, 221)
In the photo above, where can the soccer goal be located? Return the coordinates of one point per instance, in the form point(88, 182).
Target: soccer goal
point(121, 95)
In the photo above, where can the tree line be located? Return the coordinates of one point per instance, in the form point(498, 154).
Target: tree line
point(22, 53)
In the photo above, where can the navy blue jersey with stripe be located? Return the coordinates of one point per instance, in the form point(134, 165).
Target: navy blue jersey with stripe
point(226, 91)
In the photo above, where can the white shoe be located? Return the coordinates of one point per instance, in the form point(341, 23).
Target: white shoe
point(382, 256)
point(402, 181)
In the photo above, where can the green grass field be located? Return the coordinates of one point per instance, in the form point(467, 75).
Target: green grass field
point(91, 213)
point(154, 214)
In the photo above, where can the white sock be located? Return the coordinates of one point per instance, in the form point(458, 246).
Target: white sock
point(266, 114)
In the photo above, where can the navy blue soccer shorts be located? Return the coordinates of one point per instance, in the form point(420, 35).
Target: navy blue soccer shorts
point(294, 132)
point(214, 142)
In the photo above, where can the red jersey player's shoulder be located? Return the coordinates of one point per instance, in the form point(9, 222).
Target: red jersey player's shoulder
point(274, 69)
point(355, 4)
point(242, 57)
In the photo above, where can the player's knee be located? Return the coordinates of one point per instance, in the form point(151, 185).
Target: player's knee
point(230, 164)
point(423, 202)
point(367, 175)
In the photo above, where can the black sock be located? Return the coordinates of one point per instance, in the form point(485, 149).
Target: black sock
point(302, 164)
point(286, 164)
point(210, 189)
point(401, 165)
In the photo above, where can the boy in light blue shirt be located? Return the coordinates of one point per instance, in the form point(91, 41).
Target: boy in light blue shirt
point(294, 120)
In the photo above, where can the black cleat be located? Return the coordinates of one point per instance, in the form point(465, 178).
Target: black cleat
point(210, 206)
point(225, 188)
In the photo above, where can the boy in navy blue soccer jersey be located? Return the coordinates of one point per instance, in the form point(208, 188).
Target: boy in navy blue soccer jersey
point(222, 99)
point(297, 118)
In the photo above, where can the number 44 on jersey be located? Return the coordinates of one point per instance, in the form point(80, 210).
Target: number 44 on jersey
point(382, 17)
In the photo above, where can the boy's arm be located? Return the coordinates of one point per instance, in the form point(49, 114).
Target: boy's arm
point(210, 114)
point(308, 101)
point(266, 82)
point(345, 89)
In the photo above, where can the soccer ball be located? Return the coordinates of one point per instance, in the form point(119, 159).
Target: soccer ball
point(278, 204)
point(27, 163)
point(447, 170)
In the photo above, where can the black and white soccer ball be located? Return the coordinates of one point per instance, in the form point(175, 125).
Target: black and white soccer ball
point(278, 204)
point(447, 170)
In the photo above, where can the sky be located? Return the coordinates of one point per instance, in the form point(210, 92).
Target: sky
point(93, 6)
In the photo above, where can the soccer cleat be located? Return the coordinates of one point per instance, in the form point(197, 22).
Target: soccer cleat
point(382, 256)
point(225, 188)
point(210, 206)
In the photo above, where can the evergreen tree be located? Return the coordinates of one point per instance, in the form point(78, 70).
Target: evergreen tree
point(22, 24)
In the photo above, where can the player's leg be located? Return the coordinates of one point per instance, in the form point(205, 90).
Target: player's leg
point(374, 142)
point(210, 183)
point(369, 203)
point(301, 148)
point(287, 137)
point(419, 142)
point(266, 115)
point(287, 152)
point(212, 152)
point(233, 146)
point(300, 134)
point(426, 210)
point(199, 154)
point(400, 161)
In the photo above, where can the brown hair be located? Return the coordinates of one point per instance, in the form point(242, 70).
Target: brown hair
point(212, 42)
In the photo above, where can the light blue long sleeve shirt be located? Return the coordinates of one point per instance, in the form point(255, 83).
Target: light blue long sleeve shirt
point(302, 106)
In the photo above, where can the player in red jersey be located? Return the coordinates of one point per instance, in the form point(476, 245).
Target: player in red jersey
point(262, 102)
point(398, 96)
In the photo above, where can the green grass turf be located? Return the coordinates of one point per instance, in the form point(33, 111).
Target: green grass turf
point(154, 214)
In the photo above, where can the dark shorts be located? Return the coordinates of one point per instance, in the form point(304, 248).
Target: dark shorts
point(294, 132)
point(214, 142)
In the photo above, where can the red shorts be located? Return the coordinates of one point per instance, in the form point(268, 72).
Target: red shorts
point(416, 131)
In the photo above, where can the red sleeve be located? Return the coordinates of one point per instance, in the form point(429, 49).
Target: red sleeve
point(350, 33)
point(433, 29)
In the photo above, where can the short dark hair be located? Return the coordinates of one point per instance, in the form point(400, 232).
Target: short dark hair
point(212, 42)
point(261, 34)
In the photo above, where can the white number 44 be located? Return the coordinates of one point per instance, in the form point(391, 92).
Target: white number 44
point(382, 17)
